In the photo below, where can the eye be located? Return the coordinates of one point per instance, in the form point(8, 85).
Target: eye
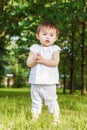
point(51, 34)
point(44, 33)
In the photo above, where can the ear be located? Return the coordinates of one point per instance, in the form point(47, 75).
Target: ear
point(37, 36)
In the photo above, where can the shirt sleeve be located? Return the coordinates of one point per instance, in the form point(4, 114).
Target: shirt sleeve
point(56, 48)
point(34, 48)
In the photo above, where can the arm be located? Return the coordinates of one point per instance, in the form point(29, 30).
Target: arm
point(31, 61)
point(51, 63)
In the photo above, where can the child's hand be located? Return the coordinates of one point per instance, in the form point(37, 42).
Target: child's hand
point(39, 58)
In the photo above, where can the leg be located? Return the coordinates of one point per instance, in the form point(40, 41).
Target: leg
point(56, 112)
point(51, 102)
point(36, 102)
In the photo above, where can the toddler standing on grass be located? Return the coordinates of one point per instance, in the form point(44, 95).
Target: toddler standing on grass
point(43, 60)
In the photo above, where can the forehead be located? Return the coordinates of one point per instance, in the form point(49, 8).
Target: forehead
point(48, 29)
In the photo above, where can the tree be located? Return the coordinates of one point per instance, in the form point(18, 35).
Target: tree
point(3, 51)
point(83, 22)
point(83, 89)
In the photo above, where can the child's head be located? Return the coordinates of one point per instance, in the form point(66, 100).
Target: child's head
point(48, 25)
point(47, 33)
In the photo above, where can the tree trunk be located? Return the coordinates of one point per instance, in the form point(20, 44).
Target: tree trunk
point(83, 89)
point(72, 87)
point(83, 66)
point(64, 83)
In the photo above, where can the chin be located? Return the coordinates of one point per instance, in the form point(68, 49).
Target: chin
point(47, 45)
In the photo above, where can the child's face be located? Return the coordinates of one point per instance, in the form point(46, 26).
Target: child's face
point(47, 36)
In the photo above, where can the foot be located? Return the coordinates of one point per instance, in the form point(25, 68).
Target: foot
point(34, 117)
point(55, 122)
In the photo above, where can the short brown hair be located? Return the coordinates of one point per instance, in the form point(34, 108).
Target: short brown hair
point(49, 25)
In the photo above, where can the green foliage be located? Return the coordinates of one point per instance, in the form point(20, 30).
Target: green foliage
point(20, 18)
point(20, 78)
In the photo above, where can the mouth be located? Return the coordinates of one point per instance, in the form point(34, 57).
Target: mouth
point(47, 41)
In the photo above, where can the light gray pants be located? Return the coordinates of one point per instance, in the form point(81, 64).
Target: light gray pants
point(46, 93)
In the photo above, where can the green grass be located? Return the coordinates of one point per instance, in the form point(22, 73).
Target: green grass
point(15, 105)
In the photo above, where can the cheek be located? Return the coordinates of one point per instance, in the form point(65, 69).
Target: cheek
point(53, 39)
point(42, 38)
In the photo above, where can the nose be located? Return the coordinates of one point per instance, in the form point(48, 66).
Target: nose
point(47, 37)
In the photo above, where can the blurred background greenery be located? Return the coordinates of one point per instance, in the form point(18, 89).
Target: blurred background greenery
point(18, 23)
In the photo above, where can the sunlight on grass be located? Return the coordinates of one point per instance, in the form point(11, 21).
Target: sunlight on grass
point(15, 112)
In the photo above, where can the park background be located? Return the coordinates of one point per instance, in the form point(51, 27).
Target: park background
point(18, 23)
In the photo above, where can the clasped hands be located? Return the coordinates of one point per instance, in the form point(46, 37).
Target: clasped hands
point(39, 58)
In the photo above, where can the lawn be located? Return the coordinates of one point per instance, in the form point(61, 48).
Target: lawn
point(15, 114)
